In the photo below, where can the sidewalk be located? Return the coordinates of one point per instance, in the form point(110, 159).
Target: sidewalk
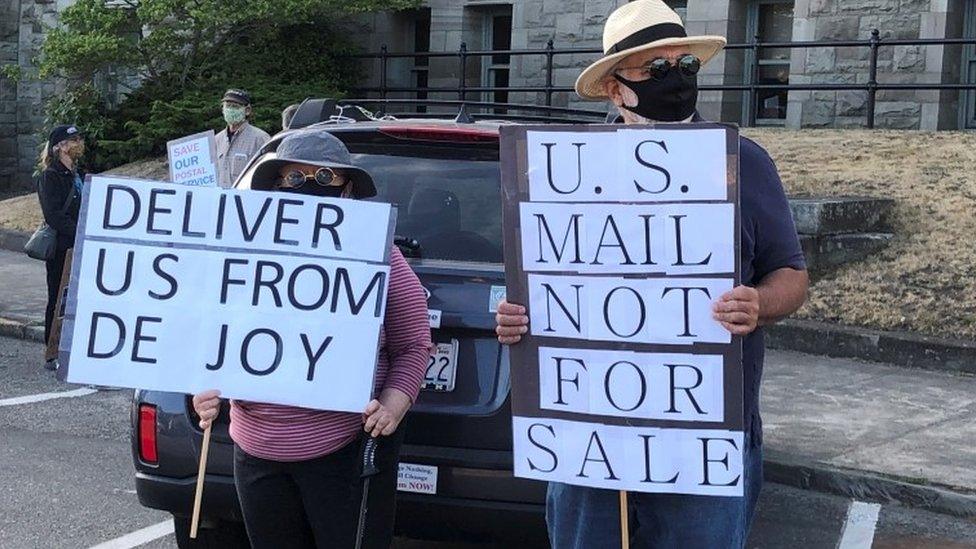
point(871, 431)
point(866, 430)
point(23, 295)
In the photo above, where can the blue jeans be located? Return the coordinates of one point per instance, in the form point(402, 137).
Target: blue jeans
point(579, 517)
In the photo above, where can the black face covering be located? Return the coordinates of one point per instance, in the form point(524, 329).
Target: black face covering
point(314, 189)
point(670, 99)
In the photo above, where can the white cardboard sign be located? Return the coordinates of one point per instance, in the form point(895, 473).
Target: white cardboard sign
point(619, 240)
point(191, 160)
point(162, 299)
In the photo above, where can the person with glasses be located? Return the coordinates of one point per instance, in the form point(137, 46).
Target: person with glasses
point(649, 71)
point(297, 470)
point(59, 191)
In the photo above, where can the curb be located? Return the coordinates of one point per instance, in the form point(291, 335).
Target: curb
point(21, 329)
point(897, 348)
point(13, 240)
point(868, 486)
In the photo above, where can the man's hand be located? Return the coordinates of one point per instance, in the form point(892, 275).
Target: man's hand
point(207, 406)
point(383, 415)
point(512, 323)
point(738, 310)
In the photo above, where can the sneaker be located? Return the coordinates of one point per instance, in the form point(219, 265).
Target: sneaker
point(51, 365)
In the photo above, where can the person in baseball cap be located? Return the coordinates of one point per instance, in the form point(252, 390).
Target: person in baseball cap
point(59, 187)
point(63, 133)
point(239, 141)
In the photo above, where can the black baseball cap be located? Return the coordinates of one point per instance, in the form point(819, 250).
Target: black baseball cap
point(237, 96)
point(63, 132)
point(316, 148)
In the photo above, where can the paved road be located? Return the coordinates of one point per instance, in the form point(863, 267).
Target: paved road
point(66, 481)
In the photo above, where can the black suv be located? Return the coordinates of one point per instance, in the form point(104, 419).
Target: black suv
point(456, 463)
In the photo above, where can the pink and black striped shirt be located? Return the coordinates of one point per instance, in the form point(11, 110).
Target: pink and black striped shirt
point(287, 433)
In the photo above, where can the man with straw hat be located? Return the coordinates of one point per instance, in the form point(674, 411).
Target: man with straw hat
point(649, 71)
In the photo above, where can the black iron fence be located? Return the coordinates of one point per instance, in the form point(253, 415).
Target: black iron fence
point(547, 111)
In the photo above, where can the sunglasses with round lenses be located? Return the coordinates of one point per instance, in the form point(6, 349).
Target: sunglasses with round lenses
point(657, 69)
point(323, 176)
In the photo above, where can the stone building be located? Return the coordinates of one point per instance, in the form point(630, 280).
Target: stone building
point(442, 25)
point(22, 27)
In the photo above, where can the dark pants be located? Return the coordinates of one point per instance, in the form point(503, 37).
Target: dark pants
point(315, 503)
point(54, 267)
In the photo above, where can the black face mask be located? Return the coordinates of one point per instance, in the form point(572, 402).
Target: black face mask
point(312, 189)
point(670, 99)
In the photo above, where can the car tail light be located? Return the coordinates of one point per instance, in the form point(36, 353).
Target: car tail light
point(147, 434)
point(434, 133)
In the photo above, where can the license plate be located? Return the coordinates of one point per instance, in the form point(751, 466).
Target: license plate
point(441, 368)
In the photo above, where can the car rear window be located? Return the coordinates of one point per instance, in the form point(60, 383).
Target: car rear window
point(451, 207)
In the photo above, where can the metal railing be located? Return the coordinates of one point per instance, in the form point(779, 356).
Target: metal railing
point(752, 87)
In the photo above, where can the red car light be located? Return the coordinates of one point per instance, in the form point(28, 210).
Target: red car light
point(435, 133)
point(147, 434)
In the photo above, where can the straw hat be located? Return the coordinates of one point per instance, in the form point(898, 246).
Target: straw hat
point(637, 26)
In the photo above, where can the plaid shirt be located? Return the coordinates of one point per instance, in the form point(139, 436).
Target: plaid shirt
point(233, 154)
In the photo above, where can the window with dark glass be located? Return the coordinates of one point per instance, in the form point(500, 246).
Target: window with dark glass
point(968, 106)
point(772, 22)
point(679, 6)
point(421, 63)
point(496, 68)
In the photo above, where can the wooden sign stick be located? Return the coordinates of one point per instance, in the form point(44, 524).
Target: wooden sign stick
point(624, 530)
point(204, 450)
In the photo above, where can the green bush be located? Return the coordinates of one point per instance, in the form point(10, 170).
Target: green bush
point(184, 57)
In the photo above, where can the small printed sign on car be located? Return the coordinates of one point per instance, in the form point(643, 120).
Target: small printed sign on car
point(420, 479)
point(495, 296)
point(434, 318)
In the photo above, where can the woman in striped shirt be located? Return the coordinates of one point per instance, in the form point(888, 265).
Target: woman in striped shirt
point(297, 470)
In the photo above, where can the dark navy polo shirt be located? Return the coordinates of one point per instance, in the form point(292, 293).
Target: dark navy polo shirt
point(769, 242)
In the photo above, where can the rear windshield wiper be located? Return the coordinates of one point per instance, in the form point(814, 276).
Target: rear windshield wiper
point(409, 246)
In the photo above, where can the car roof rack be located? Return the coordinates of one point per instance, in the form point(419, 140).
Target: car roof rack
point(317, 111)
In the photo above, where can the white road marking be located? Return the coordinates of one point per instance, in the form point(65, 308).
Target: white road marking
point(858, 531)
point(139, 537)
point(30, 399)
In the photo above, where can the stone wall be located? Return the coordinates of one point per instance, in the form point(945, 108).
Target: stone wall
point(9, 46)
point(579, 24)
point(896, 19)
point(723, 18)
point(22, 28)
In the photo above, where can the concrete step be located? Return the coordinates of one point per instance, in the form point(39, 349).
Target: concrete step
point(831, 250)
point(843, 215)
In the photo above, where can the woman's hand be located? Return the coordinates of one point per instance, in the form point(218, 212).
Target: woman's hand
point(383, 415)
point(207, 406)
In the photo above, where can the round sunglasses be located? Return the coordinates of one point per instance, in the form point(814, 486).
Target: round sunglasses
point(658, 69)
point(325, 177)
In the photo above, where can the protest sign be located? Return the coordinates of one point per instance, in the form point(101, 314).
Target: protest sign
point(191, 160)
point(619, 240)
point(269, 297)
